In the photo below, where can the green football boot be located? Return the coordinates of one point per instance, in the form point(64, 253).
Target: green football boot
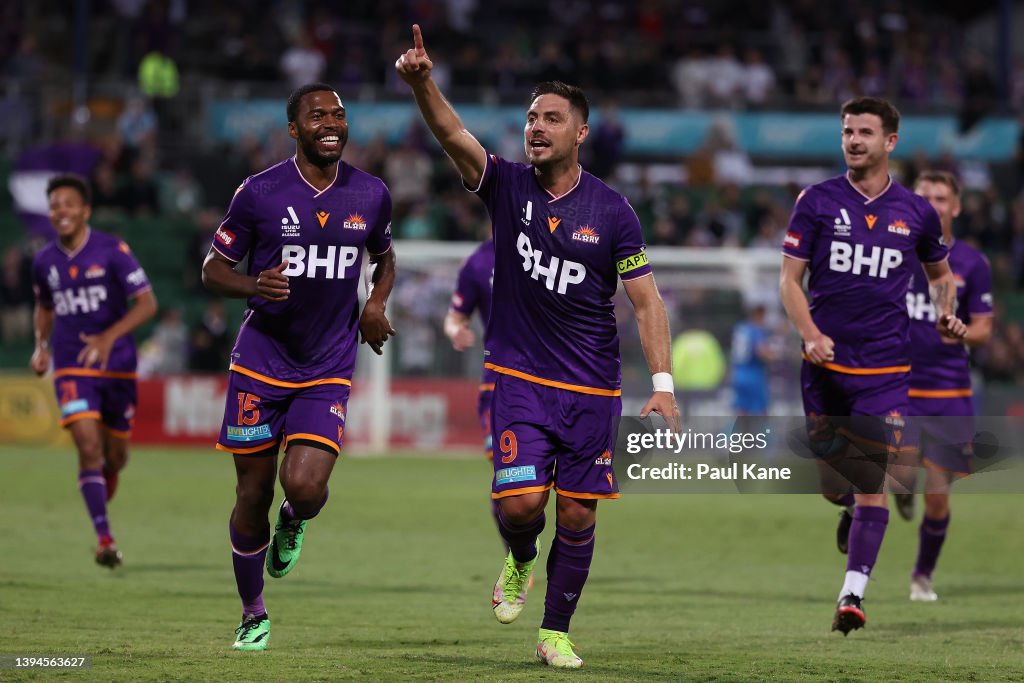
point(285, 545)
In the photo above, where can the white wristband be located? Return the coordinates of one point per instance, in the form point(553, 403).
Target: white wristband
point(663, 382)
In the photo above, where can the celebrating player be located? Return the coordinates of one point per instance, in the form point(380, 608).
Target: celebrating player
point(83, 284)
point(303, 223)
point(860, 235)
point(561, 237)
point(940, 382)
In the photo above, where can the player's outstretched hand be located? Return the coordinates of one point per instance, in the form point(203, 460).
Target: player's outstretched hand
point(96, 350)
point(951, 327)
point(374, 328)
point(664, 403)
point(820, 349)
point(414, 66)
point(272, 284)
point(40, 362)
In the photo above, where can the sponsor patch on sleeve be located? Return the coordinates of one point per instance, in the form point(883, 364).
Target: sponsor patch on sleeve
point(225, 237)
point(792, 240)
point(631, 263)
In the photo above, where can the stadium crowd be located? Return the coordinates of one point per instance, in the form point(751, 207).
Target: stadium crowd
point(640, 53)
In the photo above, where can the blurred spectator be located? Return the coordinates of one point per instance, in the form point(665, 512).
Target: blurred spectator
point(302, 63)
point(758, 78)
point(407, 171)
point(979, 92)
point(210, 340)
point(724, 78)
point(16, 298)
point(137, 124)
point(607, 141)
point(166, 350)
point(180, 193)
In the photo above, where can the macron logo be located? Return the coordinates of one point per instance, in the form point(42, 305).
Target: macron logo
point(570, 596)
point(225, 237)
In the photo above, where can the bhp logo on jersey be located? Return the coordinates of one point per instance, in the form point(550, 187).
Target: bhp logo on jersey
point(566, 272)
point(920, 306)
point(225, 237)
point(79, 299)
point(852, 258)
point(332, 265)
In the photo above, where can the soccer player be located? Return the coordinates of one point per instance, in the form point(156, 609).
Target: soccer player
point(750, 355)
point(473, 293)
point(561, 239)
point(303, 223)
point(940, 382)
point(861, 236)
point(91, 294)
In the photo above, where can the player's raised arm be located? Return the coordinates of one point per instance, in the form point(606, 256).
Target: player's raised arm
point(414, 68)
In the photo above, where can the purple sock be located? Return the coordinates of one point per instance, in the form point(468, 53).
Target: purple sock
point(94, 490)
point(931, 534)
point(568, 567)
point(521, 540)
point(289, 511)
point(866, 534)
point(495, 511)
point(248, 554)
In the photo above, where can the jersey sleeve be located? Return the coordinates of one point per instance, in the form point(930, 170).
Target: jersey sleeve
point(379, 239)
point(234, 235)
point(466, 296)
point(128, 271)
point(802, 230)
point(630, 251)
point(488, 186)
point(930, 247)
point(40, 287)
point(979, 288)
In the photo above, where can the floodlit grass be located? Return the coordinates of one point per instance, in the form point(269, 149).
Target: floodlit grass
point(396, 575)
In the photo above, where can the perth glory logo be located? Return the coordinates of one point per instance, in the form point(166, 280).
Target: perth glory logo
point(585, 233)
point(354, 222)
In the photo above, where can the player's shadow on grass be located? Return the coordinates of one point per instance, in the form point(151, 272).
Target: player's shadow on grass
point(169, 567)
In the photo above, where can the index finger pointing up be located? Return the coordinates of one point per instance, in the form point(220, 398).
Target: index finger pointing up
point(417, 38)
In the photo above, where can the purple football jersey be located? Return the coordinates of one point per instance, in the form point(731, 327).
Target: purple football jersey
point(88, 290)
point(473, 291)
point(939, 366)
point(277, 216)
point(555, 270)
point(861, 252)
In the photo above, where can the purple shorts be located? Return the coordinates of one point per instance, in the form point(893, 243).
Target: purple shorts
point(111, 401)
point(946, 443)
point(258, 415)
point(867, 409)
point(546, 436)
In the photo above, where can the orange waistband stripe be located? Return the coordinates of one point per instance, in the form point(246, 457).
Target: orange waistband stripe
point(939, 393)
point(835, 367)
point(89, 372)
point(287, 385)
point(578, 388)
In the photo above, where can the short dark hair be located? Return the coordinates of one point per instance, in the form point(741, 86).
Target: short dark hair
point(299, 93)
point(883, 109)
point(577, 100)
point(944, 177)
point(73, 181)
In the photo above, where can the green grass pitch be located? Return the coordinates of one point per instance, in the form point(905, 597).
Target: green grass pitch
point(396, 575)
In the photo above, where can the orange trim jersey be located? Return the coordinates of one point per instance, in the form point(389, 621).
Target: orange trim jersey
point(557, 265)
point(276, 217)
point(860, 253)
point(939, 366)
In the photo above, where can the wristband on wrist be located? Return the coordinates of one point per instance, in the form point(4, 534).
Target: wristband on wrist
point(663, 382)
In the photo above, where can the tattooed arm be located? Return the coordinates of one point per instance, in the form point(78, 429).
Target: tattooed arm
point(943, 292)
